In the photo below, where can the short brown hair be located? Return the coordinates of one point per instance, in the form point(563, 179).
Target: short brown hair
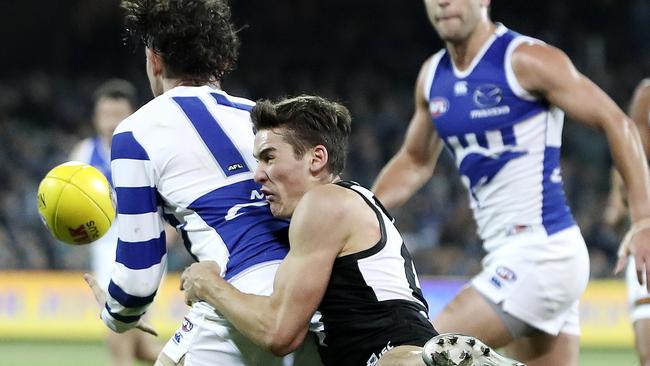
point(310, 121)
point(117, 89)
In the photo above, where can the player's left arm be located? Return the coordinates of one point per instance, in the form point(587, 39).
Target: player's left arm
point(639, 111)
point(280, 322)
point(140, 258)
point(547, 71)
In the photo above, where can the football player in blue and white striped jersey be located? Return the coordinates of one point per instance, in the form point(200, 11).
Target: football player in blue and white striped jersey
point(186, 157)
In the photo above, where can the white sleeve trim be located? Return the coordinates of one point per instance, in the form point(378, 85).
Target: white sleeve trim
point(433, 66)
point(507, 65)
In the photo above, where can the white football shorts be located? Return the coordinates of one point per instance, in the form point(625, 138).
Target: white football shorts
point(637, 295)
point(207, 339)
point(537, 278)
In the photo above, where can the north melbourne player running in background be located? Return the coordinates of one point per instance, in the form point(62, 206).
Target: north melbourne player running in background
point(114, 100)
point(495, 99)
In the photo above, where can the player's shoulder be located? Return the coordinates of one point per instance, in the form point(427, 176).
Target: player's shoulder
point(528, 49)
point(332, 199)
point(432, 60)
point(339, 200)
point(643, 88)
point(154, 112)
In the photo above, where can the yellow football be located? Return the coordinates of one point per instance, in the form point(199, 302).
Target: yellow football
point(76, 203)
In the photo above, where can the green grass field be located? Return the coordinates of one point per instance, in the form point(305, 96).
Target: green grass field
point(13, 353)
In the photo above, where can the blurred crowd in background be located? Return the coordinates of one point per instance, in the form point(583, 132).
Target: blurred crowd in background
point(363, 53)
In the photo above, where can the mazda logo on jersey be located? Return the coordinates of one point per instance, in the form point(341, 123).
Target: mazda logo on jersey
point(438, 106)
point(487, 95)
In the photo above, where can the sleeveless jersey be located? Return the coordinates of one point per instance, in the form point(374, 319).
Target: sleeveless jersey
point(186, 156)
point(373, 297)
point(505, 141)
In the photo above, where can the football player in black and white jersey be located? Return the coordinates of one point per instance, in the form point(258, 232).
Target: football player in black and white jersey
point(347, 260)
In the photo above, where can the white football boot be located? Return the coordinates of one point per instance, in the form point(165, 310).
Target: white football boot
point(452, 349)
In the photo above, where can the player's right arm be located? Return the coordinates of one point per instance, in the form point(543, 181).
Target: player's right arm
point(319, 228)
point(140, 259)
point(415, 161)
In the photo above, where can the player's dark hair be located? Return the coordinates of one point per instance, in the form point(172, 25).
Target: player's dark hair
point(117, 89)
point(195, 38)
point(309, 121)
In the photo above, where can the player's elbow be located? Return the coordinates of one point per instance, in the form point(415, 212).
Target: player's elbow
point(282, 343)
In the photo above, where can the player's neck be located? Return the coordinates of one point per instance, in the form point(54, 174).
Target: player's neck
point(462, 53)
point(169, 84)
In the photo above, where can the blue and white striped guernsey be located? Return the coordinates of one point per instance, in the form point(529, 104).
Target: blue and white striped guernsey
point(505, 141)
point(187, 157)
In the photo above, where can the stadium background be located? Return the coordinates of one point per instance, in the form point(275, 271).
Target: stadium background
point(361, 52)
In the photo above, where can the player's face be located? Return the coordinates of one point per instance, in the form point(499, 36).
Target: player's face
point(284, 177)
point(109, 112)
point(455, 20)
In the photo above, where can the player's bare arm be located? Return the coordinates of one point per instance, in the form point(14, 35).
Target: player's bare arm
point(616, 209)
point(547, 71)
point(280, 322)
point(640, 113)
point(414, 163)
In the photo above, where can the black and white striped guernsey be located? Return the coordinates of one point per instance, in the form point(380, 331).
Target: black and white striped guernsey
point(373, 298)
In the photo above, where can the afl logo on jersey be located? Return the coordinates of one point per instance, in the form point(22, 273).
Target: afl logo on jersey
point(506, 274)
point(487, 95)
point(438, 106)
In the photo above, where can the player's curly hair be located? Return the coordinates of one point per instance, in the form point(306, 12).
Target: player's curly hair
point(195, 38)
point(309, 121)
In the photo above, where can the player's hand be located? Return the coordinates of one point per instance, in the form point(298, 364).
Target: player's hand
point(639, 247)
point(197, 278)
point(100, 296)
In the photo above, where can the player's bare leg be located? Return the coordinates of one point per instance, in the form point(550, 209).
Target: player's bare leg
point(642, 340)
point(147, 347)
point(469, 313)
point(125, 348)
point(403, 356)
point(544, 349)
point(121, 348)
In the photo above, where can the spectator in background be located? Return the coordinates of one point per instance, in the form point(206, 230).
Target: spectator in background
point(114, 101)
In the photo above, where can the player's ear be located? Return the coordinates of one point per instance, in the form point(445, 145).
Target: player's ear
point(318, 159)
point(154, 61)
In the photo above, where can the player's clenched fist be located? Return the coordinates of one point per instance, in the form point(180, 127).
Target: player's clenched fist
point(195, 278)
